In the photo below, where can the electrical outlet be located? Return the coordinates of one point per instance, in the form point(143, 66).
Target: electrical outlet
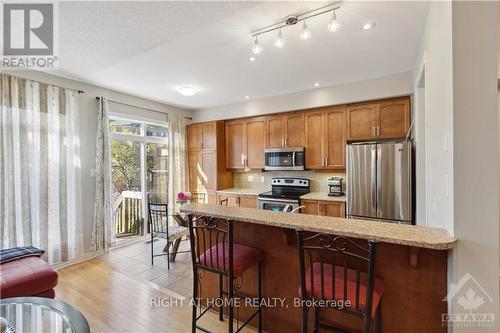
point(262, 179)
point(250, 178)
point(93, 173)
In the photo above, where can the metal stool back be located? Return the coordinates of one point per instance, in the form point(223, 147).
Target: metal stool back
point(342, 255)
point(211, 237)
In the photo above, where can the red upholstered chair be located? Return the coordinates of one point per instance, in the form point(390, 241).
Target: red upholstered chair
point(29, 276)
point(213, 249)
point(341, 271)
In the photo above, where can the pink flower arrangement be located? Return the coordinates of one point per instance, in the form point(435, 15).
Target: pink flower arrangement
point(183, 197)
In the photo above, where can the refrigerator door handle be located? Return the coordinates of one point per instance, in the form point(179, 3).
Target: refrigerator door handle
point(373, 171)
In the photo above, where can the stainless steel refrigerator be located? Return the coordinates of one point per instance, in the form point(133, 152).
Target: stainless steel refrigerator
point(379, 181)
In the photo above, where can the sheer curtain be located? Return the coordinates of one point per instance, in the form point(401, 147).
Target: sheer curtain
point(40, 168)
point(177, 166)
point(102, 234)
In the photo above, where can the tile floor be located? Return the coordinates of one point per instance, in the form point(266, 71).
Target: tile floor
point(135, 261)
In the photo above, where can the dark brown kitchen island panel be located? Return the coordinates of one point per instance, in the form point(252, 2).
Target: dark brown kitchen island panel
point(415, 278)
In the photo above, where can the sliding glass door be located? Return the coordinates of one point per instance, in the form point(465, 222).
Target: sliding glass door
point(139, 168)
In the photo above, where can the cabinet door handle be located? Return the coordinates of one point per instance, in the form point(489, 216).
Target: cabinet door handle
point(374, 130)
point(286, 141)
point(326, 161)
point(378, 130)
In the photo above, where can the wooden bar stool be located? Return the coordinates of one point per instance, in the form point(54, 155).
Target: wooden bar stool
point(337, 269)
point(213, 250)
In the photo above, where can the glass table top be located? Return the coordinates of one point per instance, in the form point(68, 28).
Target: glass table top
point(40, 315)
point(30, 317)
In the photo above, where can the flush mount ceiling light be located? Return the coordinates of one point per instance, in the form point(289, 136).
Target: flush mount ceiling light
point(316, 84)
point(252, 59)
point(292, 20)
point(368, 26)
point(187, 90)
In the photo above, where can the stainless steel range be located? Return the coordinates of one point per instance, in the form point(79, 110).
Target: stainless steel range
point(285, 191)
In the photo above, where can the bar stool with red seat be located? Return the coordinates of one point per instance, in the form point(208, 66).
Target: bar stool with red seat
point(213, 250)
point(338, 270)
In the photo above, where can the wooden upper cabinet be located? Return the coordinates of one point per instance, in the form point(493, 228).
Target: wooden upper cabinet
point(193, 137)
point(379, 120)
point(314, 139)
point(294, 129)
point(235, 149)
point(275, 132)
point(255, 135)
point(285, 130)
point(208, 136)
point(335, 137)
point(393, 118)
point(245, 143)
point(325, 138)
point(202, 136)
point(361, 121)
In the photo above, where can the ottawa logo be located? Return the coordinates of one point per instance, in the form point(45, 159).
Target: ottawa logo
point(470, 297)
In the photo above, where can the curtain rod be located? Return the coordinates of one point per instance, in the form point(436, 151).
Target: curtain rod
point(50, 84)
point(138, 107)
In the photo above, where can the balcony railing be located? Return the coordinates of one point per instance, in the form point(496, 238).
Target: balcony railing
point(127, 214)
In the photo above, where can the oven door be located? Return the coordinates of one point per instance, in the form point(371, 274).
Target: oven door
point(284, 159)
point(277, 205)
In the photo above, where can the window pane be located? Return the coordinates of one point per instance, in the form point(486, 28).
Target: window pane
point(122, 126)
point(127, 189)
point(156, 131)
point(157, 172)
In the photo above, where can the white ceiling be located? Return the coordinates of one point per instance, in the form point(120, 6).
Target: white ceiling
point(149, 49)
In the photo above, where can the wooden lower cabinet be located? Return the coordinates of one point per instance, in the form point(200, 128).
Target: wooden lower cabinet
point(248, 201)
point(323, 208)
point(244, 201)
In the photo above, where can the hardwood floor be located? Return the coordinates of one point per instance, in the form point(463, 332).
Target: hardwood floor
point(112, 301)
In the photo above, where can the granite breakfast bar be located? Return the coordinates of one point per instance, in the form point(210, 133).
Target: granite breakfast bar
point(411, 260)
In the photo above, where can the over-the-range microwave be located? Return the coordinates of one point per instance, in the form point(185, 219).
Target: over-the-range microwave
point(284, 158)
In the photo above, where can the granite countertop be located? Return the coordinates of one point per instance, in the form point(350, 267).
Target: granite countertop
point(424, 237)
point(242, 191)
point(322, 196)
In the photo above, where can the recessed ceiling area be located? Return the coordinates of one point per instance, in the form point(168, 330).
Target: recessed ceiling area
point(151, 49)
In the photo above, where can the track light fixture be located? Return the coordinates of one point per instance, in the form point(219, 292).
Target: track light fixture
point(291, 20)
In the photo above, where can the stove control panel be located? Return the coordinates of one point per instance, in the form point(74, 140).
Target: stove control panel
point(286, 181)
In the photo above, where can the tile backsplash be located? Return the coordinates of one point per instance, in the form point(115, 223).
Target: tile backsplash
point(263, 179)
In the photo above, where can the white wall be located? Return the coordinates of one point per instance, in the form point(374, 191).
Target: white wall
point(458, 52)
point(387, 86)
point(88, 127)
point(436, 56)
point(476, 147)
